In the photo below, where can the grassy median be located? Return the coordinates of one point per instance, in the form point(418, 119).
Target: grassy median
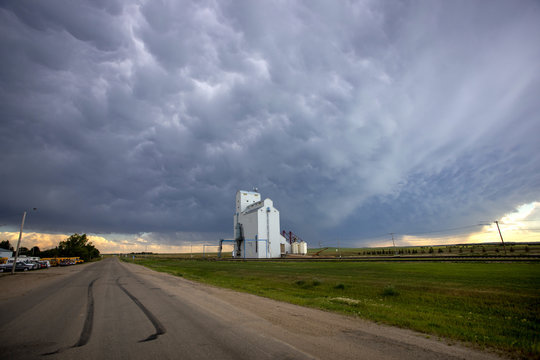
point(494, 305)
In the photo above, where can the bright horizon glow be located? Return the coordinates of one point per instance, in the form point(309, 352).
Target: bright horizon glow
point(125, 244)
point(516, 227)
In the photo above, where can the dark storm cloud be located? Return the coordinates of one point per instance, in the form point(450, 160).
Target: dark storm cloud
point(355, 118)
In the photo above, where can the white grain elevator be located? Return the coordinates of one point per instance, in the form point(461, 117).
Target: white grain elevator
point(256, 228)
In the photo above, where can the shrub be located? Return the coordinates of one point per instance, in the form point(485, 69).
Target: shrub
point(340, 286)
point(307, 284)
point(389, 290)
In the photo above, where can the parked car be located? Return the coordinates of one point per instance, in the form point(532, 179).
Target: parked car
point(21, 266)
point(32, 265)
point(52, 261)
point(65, 262)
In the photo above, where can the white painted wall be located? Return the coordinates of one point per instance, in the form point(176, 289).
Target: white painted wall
point(243, 200)
point(260, 221)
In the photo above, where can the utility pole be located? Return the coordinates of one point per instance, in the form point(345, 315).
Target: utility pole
point(18, 244)
point(393, 242)
point(500, 234)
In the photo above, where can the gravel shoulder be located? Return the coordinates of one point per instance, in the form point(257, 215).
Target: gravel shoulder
point(23, 282)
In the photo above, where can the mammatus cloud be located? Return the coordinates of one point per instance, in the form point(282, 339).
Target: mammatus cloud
point(356, 119)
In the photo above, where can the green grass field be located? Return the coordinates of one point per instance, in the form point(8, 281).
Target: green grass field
point(495, 305)
point(512, 249)
point(464, 250)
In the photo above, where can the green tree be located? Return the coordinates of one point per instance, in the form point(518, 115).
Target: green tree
point(35, 251)
point(4, 244)
point(78, 245)
point(50, 253)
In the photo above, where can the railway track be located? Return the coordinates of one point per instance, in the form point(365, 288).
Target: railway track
point(521, 258)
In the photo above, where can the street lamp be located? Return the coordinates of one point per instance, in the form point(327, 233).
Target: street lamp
point(19, 243)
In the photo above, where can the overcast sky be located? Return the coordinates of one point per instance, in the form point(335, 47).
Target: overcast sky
point(357, 118)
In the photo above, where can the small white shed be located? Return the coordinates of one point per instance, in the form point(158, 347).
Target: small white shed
point(4, 253)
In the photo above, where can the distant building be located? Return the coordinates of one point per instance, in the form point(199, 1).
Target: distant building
point(256, 228)
point(4, 253)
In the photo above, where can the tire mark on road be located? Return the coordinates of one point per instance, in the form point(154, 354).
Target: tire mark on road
point(160, 329)
point(88, 321)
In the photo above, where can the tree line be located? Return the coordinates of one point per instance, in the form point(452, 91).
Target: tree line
point(74, 246)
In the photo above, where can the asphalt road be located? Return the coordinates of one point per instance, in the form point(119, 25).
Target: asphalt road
point(113, 310)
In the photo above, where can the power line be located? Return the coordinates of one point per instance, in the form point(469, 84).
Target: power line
point(517, 221)
point(443, 230)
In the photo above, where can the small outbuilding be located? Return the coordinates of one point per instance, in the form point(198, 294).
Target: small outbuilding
point(4, 253)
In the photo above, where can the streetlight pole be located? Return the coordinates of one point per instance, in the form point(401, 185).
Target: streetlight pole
point(18, 244)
